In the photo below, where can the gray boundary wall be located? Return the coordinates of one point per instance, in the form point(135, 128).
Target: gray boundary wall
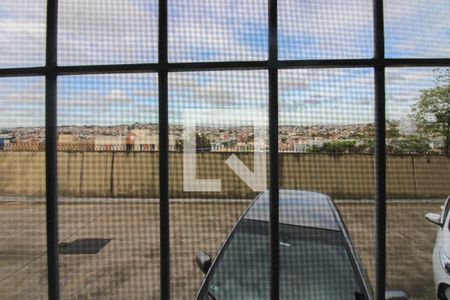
point(135, 175)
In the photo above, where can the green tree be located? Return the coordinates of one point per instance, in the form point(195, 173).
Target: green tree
point(409, 144)
point(367, 135)
point(392, 129)
point(336, 147)
point(432, 110)
point(203, 144)
point(179, 145)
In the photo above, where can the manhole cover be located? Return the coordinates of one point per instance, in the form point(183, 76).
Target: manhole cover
point(83, 246)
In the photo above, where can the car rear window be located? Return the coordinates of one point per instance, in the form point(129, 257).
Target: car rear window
point(314, 264)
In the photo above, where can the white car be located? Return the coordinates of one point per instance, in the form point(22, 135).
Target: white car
point(441, 252)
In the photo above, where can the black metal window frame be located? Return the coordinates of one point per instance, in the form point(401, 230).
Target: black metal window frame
point(51, 71)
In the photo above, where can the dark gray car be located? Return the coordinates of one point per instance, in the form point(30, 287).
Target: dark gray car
point(317, 257)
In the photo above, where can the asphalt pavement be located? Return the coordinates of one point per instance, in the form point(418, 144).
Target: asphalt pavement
point(127, 266)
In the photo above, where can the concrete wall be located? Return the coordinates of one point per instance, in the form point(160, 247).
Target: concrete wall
point(22, 173)
point(136, 175)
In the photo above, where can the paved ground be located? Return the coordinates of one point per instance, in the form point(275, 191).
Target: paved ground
point(127, 267)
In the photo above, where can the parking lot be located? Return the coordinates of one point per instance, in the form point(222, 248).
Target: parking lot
point(128, 266)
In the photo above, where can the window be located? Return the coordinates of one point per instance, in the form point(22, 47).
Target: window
point(107, 100)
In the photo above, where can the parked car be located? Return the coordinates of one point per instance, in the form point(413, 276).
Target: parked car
point(317, 256)
point(441, 252)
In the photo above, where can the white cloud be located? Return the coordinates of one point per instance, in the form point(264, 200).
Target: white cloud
point(22, 33)
point(95, 100)
point(151, 92)
point(225, 117)
point(125, 31)
point(403, 87)
point(222, 88)
point(325, 29)
point(328, 114)
point(210, 30)
point(326, 96)
point(22, 91)
point(117, 96)
point(417, 28)
point(106, 99)
point(105, 31)
point(22, 101)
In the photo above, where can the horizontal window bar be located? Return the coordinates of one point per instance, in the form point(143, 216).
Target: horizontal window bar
point(95, 69)
point(226, 65)
point(417, 62)
point(232, 65)
point(326, 63)
point(16, 72)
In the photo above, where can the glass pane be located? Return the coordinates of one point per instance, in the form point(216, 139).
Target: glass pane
point(418, 176)
point(325, 29)
point(22, 33)
point(107, 32)
point(218, 127)
point(217, 30)
point(108, 186)
point(23, 246)
point(417, 28)
point(326, 141)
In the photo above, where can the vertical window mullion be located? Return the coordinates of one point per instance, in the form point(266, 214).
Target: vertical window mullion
point(164, 187)
point(380, 153)
point(380, 179)
point(163, 154)
point(273, 153)
point(51, 176)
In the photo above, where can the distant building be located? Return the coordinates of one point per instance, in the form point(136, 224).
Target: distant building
point(305, 145)
point(140, 132)
point(110, 143)
point(260, 146)
point(66, 138)
point(285, 147)
point(229, 145)
point(5, 139)
point(437, 143)
point(146, 143)
point(131, 142)
point(301, 147)
point(233, 146)
point(217, 147)
point(150, 142)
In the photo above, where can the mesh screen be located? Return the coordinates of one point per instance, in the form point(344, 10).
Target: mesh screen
point(107, 32)
point(418, 177)
point(22, 23)
point(108, 186)
point(108, 149)
point(325, 29)
point(216, 120)
point(326, 136)
point(417, 28)
point(22, 189)
point(217, 30)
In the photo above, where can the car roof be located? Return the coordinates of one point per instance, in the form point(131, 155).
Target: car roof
point(300, 208)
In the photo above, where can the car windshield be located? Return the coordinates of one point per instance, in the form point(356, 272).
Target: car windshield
point(314, 264)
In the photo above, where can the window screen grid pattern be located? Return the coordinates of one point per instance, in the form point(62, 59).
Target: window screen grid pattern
point(253, 48)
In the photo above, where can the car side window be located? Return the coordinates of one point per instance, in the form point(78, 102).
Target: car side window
point(445, 210)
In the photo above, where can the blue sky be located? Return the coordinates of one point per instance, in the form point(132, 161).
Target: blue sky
point(125, 31)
